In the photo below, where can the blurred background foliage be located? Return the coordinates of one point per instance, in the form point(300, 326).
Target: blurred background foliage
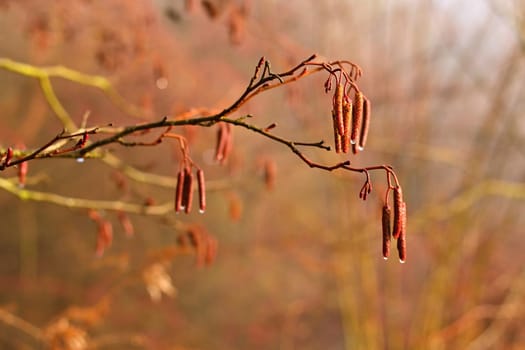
point(299, 265)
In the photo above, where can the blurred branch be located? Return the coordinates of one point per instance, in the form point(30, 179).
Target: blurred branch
point(79, 203)
point(465, 200)
point(510, 308)
point(110, 341)
point(18, 323)
point(45, 73)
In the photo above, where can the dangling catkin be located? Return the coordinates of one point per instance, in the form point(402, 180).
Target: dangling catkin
point(365, 125)
point(386, 219)
point(347, 122)
point(398, 203)
point(401, 241)
point(357, 117)
point(202, 190)
point(178, 191)
point(338, 107)
point(337, 136)
point(187, 190)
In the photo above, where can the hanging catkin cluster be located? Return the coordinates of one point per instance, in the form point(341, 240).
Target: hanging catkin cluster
point(399, 229)
point(351, 111)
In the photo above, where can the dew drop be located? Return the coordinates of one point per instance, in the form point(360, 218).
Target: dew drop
point(80, 160)
point(352, 142)
point(360, 148)
point(401, 261)
point(385, 257)
point(201, 211)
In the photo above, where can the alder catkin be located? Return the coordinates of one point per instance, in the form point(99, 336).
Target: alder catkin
point(211, 250)
point(357, 117)
point(202, 190)
point(337, 136)
point(386, 223)
point(398, 204)
point(178, 191)
point(221, 140)
point(22, 173)
point(338, 107)
point(401, 241)
point(187, 190)
point(225, 142)
point(347, 122)
point(365, 124)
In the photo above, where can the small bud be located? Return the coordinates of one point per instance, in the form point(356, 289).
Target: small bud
point(8, 156)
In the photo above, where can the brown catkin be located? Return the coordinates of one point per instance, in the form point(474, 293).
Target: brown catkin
point(337, 136)
point(221, 140)
point(398, 203)
point(338, 107)
point(365, 125)
point(228, 142)
point(401, 241)
point(386, 222)
point(270, 173)
point(211, 250)
point(347, 122)
point(202, 190)
point(187, 190)
point(357, 117)
point(178, 191)
point(22, 173)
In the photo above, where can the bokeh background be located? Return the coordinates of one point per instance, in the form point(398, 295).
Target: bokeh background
point(299, 264)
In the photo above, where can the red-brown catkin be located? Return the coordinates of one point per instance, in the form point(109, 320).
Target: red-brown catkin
point(211, 250)
point(337, 137)
point(202, 190)
point(357, 117)
point(365, 123)
point(187, 190)
point(338, 107)
point(224, 142)
point(347, 122)
point(401, 241)
point(22, 173)
point(398, 203)
point(386, 222)
point(178, 191)
point(221, 140)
